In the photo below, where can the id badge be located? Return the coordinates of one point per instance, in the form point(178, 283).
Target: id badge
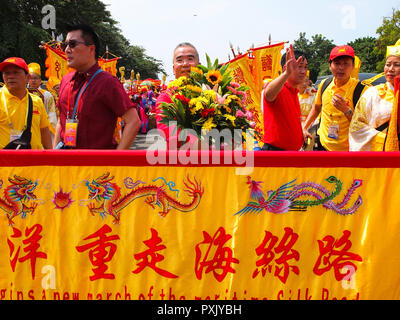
point(334, 131)
point(14, 134)
point(71, 130)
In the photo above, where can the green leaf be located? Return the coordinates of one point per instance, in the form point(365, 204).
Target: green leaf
point(209, 64)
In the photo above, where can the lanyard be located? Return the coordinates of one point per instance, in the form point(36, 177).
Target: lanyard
point(6, 110)
point(78, 99)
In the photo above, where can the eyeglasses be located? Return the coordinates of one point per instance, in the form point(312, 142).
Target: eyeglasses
point(72, 44)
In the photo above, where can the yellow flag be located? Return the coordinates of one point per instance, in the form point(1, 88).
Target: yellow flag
point(56, 64)
point(251, 70)
point(109, 66)
point(267, 63)
point(241, 70)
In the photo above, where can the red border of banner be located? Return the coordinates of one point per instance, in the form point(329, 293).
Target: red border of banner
point(130, 158)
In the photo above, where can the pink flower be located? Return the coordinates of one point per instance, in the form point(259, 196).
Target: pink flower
point(235, 85)
point(253, 124)
point(239, 114)
point(249, 115)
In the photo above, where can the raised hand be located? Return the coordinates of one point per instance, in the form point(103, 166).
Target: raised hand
point(291, 63)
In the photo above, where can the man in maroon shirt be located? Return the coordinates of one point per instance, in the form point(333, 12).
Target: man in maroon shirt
point(90, 101)
point(281, 107)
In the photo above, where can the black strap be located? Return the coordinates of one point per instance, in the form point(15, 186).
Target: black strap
point(357, 93)
point(383, 127)
point(27, 134)
point(325, 85)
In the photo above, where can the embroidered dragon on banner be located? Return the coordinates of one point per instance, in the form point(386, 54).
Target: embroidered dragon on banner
point(299, 197)
point(17, 196)
point(109, 200)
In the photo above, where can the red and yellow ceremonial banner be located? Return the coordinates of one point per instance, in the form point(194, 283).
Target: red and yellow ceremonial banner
point(56, 64)
point(251, 69)
point(109, 65)
point(108, 225)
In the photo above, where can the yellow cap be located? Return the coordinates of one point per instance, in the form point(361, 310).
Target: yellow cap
point(394, 50)
point(34, 68)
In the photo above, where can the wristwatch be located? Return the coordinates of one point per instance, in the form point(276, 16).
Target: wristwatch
point(348, 113)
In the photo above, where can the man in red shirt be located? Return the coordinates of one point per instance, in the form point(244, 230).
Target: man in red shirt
point(90, 100)
point(281, 107)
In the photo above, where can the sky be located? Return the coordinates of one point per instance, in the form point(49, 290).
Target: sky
point(211, 25)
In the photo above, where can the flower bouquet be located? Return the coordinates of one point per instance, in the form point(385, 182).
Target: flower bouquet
point(208, 100)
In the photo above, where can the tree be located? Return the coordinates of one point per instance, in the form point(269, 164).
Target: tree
point(365, 50)
point(22, 32)
point(317, 51)
point(388, 33)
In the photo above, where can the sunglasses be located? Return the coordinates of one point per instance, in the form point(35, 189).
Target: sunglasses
point(72, 44)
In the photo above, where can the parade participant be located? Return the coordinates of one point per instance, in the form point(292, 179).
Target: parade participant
point(369, 126)
point(307, 101)
point(281, 107)
point(35, 82)
point(90, 100)
point(185, 57)
point(15, 108)
point(336, 102)
point(143, 110)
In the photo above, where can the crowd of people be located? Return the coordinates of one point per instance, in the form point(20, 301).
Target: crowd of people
point(88, 106)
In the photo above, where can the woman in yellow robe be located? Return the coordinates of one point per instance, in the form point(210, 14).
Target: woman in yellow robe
point(369, 125)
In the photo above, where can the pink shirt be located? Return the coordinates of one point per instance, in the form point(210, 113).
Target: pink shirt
point(172, 139)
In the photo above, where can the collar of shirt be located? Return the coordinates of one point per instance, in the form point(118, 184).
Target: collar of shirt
point(8, 95)
point(79, 76)
point(344, 87)
point(291, 89)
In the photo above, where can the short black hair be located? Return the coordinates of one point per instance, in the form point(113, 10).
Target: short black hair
point(297, 54)
point(88, 34)
point(188, 44)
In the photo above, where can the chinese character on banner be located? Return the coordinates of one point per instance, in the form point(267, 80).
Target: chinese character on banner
point(239, 76)
point(266, 63)
point(335, 254)
point(217, 258)
point(150, 257)
point(31, 246)
point(101, 251)
point(269, 250)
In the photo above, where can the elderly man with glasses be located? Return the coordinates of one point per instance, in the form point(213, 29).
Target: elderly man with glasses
point(91, 100)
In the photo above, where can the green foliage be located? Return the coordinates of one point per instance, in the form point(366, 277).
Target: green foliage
point(22, 32)
point(365, 50)
point(317, 52)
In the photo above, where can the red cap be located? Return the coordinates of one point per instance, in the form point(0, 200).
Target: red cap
point(19, 62)
point(342, 51)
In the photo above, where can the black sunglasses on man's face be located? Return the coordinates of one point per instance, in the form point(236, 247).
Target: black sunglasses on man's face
point(72, 44)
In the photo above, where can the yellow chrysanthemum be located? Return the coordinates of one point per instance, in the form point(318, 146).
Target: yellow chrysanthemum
point(208, 125)
point(194, 89)
point(210, 94)
point(214, 77)
point(230, 118)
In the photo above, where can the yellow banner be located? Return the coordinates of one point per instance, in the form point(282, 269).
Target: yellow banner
point(242, 70)
point(109, 66)
point(252, 69)
point(267, 63)
point(184, 233)
point(56, 64)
